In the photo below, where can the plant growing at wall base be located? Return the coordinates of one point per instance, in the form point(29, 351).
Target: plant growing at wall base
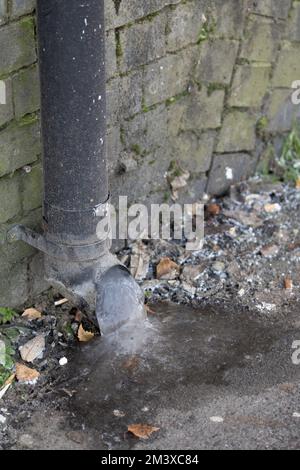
point(6, 315)
point(289, 160)
point(6, 361)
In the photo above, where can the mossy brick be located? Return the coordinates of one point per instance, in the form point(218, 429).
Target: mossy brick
point(168, 77)
point(124, 97)
point(14, 285)
point(21, 7)
point(212, 67)
point(184, 25)
point(261, 41)
point(193, 152)
point(19, 49)
point(228, 169)
point(12, 253)
point(142, 43)
point(146, 131)
point(175, 111)
point(238, 132)
point(228, 18)
point(278, 9)
point(288, 66)
point(26, 91)
point(10, 198)
point(293, 27)
point(3, 11)
point(6, 110)
point(38, 282)
point(203, 110)
point(32, 188)
point(119, 13)
point(19, 146)
point(249, 86)
point(281, 111)
point(114, 147)
point(111, 56)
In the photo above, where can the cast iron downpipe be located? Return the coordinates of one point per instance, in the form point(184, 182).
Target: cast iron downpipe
point(71, 42)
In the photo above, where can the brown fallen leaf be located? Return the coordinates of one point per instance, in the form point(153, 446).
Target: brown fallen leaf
point(139, 261)
point(25, 374)
point(298, 183)
point(167, 269)
point(142, 431)
point(84, 336)
point(33, 349)
point(32, 314)
point(288, 283)
point(214, 209)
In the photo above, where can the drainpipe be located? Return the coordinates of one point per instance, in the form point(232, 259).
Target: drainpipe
point(78, 262)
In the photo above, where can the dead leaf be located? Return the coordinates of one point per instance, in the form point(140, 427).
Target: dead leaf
point(32, 314)
point(84, 336)
point(139, 262)
point(298, 183)
point(167, 269)
point(288, 283)
point(33, 349)
point(142, 431)
point(25, 374)
point(214, 209)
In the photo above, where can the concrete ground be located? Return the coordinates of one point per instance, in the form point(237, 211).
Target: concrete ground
point(209, 379)
point(213, 368)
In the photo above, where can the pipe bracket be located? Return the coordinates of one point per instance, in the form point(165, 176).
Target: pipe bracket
point(68, 253)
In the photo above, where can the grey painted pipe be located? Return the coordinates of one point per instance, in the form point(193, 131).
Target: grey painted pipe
point(71, 41)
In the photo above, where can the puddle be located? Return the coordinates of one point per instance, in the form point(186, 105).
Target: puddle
point(125, 379)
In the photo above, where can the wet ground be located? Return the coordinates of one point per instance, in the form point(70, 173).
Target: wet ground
point(209, 379)
point(212, 368)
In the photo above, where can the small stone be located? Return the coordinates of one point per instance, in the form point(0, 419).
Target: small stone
point(119, 414)
point(272, 208)
point(218, 267)
point(190, 274)
point(2, 419)
point(26, 440)
point(63, 361)
point(217, 419)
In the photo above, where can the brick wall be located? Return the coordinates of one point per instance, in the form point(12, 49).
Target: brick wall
point(205, 83)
